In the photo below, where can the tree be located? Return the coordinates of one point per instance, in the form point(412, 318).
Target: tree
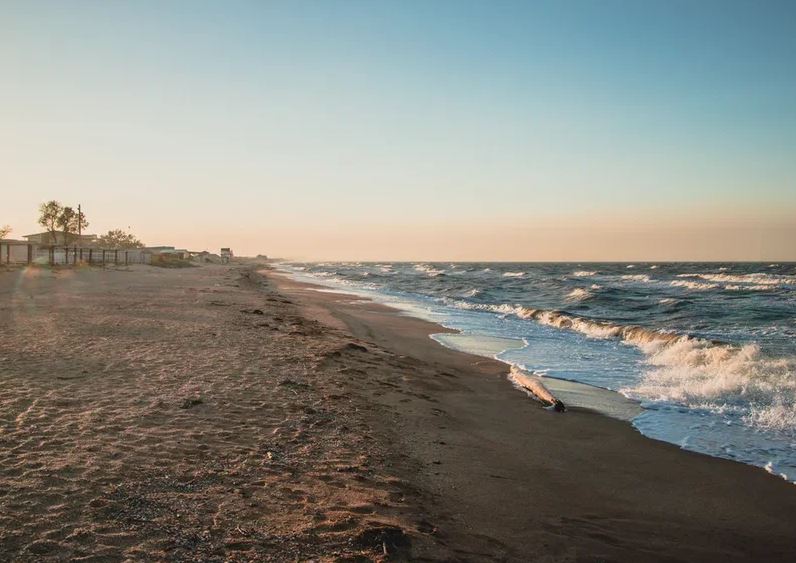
point(71, 222)
point(5, 230)
point(117, 238)
point(49, 214)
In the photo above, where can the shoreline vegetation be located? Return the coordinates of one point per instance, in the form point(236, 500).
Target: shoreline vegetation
point(228, 413)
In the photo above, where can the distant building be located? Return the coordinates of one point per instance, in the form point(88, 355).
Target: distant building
point(205, 256)
point(47, 239)
point(169, 252)
point(160, 249)
point(226, 255)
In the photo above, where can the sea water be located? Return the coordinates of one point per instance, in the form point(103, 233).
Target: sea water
point(705, 352)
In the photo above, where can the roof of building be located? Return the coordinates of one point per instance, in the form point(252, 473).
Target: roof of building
point(46, 233)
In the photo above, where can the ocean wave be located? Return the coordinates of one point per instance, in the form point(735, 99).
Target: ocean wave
point(736, 287)
point(689, 370)
point(757, 279)
point(688, 284)
point(428, 270)
point(513, 274)
point(579, 294)
point(584, 273)
point(698, 373)
point(637, 277)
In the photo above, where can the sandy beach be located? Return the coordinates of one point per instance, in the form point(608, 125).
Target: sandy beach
point(226, 413)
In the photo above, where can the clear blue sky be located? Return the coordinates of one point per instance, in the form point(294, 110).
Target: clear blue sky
point(266, 125)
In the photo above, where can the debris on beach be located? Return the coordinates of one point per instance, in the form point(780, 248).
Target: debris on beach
point(533, 385)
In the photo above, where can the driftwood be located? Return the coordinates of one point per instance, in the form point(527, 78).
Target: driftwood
point(534, 386)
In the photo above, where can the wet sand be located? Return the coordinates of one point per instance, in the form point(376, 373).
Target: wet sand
point(211, 414)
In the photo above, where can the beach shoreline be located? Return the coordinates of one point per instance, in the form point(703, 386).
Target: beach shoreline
point(220, 414)
point(513, 480)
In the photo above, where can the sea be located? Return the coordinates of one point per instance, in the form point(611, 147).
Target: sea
point(702, 355)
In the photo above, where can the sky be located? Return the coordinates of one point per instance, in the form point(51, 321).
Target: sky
point(373, 130)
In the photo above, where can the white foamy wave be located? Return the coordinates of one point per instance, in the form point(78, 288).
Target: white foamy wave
point(735, 287)
point(504, 309)
point(667, 300)
point(758, 279)
point(769, 467)
point(629, 266)
point(688, 284)
point(513, 274)
point(584, 273)
point(473, 292)
point(428, 270)
point(777, 415)
point(653, 267)
point(693, 371)
point(644, 278)
point(698, 373)
point(579, 294)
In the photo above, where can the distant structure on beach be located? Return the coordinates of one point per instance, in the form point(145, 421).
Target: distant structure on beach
point(169, 251)
point(49, 248)
point(48, 239)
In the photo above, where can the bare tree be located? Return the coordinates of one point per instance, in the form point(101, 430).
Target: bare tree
point(49, 214)
point(117, 238)
point(5, 230)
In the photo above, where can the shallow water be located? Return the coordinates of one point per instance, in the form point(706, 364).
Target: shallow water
point(707, 349)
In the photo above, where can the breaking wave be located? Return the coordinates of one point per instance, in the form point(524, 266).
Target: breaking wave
point(688, 284)
point(428, 270)
point(513, 274)
point(584, 273)
point(689, 370)
point(755, 280)
point(580, 293)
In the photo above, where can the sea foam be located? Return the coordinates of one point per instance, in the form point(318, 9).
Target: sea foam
point(685, 369)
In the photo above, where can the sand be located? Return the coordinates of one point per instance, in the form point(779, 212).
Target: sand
point(211, 414)
point(152, 414)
